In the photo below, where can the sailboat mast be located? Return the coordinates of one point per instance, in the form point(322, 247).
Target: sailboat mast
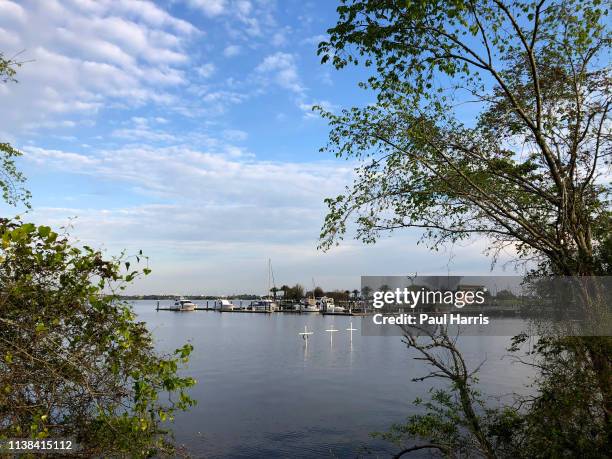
point(269, 275)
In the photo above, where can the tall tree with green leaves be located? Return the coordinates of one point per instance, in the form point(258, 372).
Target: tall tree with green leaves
point(491, 119)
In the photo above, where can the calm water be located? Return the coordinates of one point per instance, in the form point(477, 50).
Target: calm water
point(262, 393)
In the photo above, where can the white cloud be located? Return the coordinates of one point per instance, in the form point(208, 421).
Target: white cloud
point(206, 70)
point(279, 38)
point(309, 113)
point(213, 249)
point(143, 133)
point(209, 7)
point(241, 17)
point(222, 208)
point(282, 69)
point(9, 39)
point(315, 39)
point(11, 11)
point(244, 7)
point(84, 55)
point(234, 135)
point(209, 212)
point(205, 176)
point(185, 186)
point(56, 158)
point(232, 50)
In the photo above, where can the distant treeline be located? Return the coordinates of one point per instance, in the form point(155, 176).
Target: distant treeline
point(296, 293)
point(243, 296)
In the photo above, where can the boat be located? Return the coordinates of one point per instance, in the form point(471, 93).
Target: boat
point(336, 309)
point(309, 305)
point(182, 304)
point(265, 304)
point(326, 304)
point(226, 305)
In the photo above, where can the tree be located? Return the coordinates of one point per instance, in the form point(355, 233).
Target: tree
point(74, 361)
point(318, 292)
point(338, 295)
point(11, 180)
point(526, 173)
point(355, 293)
point(295, 293)
point(285, 288)
point(505, 295)
point(274, 291)
point(529, 171)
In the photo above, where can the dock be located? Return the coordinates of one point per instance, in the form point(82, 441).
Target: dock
point(288, 308)
point(281, 311)
point(346, 313)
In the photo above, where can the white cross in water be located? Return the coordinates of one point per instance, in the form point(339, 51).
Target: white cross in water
point(305, 334)
point(351, 330)
point(331, 335)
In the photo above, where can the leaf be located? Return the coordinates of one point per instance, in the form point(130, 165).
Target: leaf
point(44, 231)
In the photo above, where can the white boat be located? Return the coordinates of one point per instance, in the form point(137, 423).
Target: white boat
point(335, 308)
point(264, 305)
point(326, 304)
point(309, 305)
point(226, 305)
point(181, 304)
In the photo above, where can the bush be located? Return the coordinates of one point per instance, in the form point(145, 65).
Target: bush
point(74, 362)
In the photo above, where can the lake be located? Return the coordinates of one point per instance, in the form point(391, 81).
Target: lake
point(262, 393)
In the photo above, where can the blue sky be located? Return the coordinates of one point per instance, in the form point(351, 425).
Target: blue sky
point(184, 128)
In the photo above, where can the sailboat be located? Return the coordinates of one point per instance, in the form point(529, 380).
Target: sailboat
point(310, 304)
point(266, 304)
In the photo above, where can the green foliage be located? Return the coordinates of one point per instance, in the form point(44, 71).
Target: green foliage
point(568, 417)
point(295, 293)
point(440, 424)
point(563, 416)
point(11, 180)
point(446, 429)
point(491, 118)
point(75, 361)
point(525, 171)
point(7, 69)
point(338, 295)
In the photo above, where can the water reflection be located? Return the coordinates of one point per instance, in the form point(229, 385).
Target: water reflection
point(264, 391)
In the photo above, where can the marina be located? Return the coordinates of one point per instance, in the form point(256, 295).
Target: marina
point(264, 306)
point(321, 307)
point(270, 384)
